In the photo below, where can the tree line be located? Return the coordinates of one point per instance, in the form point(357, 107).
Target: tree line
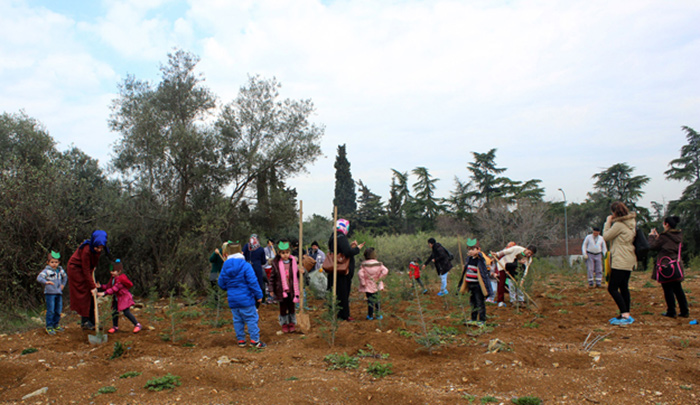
point(189, 172)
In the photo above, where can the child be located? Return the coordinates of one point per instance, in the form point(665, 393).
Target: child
point(370, 274)
point(118, 287)
point(284, 284)
point(475, 266)
point(508, 260)
point(241, 284)
point(414, 273)
point(54, 279)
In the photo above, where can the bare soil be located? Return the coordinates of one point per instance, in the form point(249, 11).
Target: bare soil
point(656, 360)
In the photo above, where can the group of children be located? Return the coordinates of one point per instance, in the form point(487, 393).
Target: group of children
point(54, 279)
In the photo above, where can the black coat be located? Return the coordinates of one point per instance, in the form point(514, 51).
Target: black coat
point(443, 264)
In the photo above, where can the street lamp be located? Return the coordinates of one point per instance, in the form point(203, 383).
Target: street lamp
point(566, 228)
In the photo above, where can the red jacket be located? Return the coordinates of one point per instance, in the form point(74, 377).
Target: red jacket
point(413, 271)
point(80, 281)
point(119, 287)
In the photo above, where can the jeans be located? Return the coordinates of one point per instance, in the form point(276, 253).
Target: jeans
point(477, 302)
point(54, 307)
point(443, 281)
point(372, 304)
point(241, 318)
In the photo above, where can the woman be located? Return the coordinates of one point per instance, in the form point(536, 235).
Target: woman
point(668, 244)
point(255, 255)
point(81, 281)
point(619, 231)
point(344, 282)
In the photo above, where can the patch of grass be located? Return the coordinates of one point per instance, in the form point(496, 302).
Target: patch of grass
point(191, 314)
point(528, 400)
point(578, 304)
point(404, 333)
point(685, 343)
point(119, 349)
point(648, 284)
point(371, 352)
point(647, 313)
point(378, 370)
point(558, 304)
point(470, 398)
point(339, 361)
point(488, 399)
point(446, 330)
point(292, 378)
point(167, 382)
point(686, 387)
point(29, 350)
point(533, 325)
point(563, 311)
point(130, 374)
point(557, 297)
point(106, 390)
point(189, 344)
point(597, 304)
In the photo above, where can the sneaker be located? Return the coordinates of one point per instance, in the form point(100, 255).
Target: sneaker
point(258, 344)
point(501, 304)
point(425, 291)
point(613, 321)
point(490, 301)
point(50, 331)
point(113, 329)
point(369, 318)
point(61, 328)
point(285, 328)
point(440, 294)
point(598, 285)
point(379, 317)
point(241, 343)
point(625, 321)
point(137, 328)
point(292, 328)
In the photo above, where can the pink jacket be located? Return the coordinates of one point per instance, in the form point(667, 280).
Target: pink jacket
point(370, 274)
point(119, 287)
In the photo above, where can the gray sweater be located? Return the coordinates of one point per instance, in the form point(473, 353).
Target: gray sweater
point(58, 277)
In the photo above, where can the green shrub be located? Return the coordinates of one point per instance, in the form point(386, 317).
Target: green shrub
point(168, 381)
point(106, 390)
point(119, 349)
point(378, 370)
point(529, 400)
point(130, 374)
point(488, 399)
point(29, 350)
point(339, 361)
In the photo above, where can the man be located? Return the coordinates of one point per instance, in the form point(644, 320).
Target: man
point(593, 250)
point(443, 263)
point(317, 254)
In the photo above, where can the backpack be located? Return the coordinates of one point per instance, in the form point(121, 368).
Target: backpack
point(450, 256)
point(641, 245)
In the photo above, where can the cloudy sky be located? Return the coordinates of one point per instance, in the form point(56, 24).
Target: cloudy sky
point(563, 90)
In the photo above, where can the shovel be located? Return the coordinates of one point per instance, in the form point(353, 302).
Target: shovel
point(302, 318)
point(99, 337)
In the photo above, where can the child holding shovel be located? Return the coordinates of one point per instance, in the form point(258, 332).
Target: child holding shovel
point(475, 268)
point(122, 300)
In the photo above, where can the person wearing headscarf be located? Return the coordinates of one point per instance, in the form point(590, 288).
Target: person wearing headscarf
point(81, 281)
point(344, 282)
point(255, 255)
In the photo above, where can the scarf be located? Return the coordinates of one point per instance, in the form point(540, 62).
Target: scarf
point(284, 275)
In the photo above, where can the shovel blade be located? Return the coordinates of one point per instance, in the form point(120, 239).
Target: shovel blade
point(304, 323)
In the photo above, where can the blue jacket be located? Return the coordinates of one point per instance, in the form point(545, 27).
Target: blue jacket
point(240, 282)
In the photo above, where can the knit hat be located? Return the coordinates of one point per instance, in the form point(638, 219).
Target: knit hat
point(343, 225)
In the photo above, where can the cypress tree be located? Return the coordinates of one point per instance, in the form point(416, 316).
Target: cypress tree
point(344, 185)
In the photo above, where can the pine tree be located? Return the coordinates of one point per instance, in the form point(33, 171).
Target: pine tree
point(344, 186)
point(370, 215)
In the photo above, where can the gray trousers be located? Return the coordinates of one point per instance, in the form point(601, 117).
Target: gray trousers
point(594, 263)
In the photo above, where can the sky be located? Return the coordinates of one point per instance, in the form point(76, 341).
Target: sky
point(563, 90)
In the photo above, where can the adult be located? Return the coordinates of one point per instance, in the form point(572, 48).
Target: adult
point(81, 280)
point(270, 250)
point(316, 254)
point(508, 260)
point(255, 255)
point(619, 231)
point(593, 250)
point(217, 261)
point(443, 263)
point(668, 243)
point(344, 282)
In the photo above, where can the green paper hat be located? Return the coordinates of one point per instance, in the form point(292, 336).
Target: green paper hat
point(471, 242)
point(283, 246)
point(55, 255)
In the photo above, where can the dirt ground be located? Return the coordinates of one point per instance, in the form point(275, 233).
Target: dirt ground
point(656, 360)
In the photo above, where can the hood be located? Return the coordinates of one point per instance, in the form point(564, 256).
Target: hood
point(674, 234)
point(630, 220)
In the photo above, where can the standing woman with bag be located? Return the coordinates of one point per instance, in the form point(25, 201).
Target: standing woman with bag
point(619, 231)
point(668, 243)
point(344, 282)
